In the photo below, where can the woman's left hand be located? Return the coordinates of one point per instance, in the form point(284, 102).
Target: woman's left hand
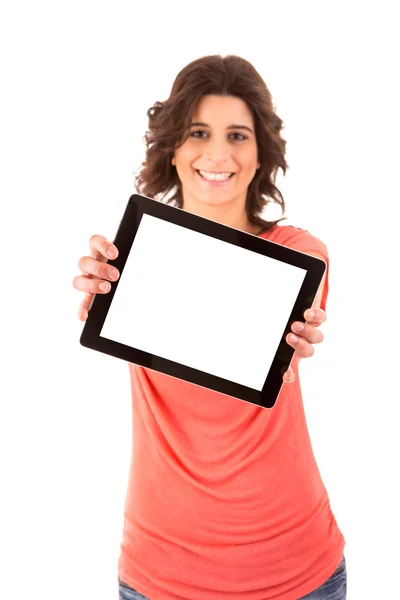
point(305, 337)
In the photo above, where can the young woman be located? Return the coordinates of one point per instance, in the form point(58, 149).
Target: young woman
point(225, 500)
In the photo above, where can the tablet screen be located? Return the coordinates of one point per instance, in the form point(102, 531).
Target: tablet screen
point(202, 302)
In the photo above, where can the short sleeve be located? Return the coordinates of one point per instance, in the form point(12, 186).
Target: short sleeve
point(304, 241)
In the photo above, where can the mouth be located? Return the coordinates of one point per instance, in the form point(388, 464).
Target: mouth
point(214, 178)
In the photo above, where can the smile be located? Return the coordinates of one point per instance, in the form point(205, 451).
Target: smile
point(215, 177)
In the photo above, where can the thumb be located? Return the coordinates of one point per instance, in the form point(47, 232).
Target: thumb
point(289, 376)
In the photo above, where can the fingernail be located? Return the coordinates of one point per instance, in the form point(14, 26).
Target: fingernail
point(298, 327)
point(293, 338)
point(112, 253)
point(311, 314)
point(104, 286)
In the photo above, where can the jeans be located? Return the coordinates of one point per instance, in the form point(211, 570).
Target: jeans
point(334, 588)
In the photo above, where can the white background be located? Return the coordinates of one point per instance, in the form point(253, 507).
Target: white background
point(77, 79)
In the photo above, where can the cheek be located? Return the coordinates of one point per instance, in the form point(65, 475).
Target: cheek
point(247, 160)
point(185, 156)
point(248, 169)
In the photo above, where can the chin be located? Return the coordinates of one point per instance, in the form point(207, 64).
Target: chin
point(215, 202)
point(216, 197)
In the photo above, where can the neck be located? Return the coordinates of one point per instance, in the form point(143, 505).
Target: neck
point(228, 215)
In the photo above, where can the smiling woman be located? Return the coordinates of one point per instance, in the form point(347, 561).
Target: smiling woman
point(225, 499)
point(219, 119)
point(217, 162)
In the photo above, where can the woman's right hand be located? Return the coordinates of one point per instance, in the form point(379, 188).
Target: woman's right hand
point(96, 272)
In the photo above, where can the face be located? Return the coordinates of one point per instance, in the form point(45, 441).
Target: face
point(219, 159)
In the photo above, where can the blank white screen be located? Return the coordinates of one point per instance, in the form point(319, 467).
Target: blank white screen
point(202, 302)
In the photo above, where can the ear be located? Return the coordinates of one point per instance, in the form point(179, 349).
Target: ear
point(173, 160)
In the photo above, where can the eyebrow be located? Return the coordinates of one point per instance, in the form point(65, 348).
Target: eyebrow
point(198, 124)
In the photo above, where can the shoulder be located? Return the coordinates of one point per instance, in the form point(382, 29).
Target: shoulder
point(297, 238)
point(303, 241)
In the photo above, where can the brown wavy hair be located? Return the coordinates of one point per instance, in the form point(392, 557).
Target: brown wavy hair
point(169, 126)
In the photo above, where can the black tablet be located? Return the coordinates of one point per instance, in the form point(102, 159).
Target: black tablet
point(202, 301)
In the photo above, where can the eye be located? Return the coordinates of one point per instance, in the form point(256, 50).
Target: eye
point(197, 131)
point(241, 137)
point(200, 134)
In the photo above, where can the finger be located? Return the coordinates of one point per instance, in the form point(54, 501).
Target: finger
point(308, 332)
point(82, 314)
point(302, 347)
point(315, 316)
point(91, 266)
point(101, 249)
point(85, 306)
point(85, 283)
point(289, 376)
point(87, 302)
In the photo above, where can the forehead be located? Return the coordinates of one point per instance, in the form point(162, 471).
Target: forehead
point(226, 109)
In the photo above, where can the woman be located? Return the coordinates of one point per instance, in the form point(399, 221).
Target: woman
point(225, 500)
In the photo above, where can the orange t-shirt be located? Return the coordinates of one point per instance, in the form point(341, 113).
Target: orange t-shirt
point(225, 500)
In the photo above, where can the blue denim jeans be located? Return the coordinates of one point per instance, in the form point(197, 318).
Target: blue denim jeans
point(334, 588)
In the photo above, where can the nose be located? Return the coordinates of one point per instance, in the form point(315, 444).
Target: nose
point(217, 152)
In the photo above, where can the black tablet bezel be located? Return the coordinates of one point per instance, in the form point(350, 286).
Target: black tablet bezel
point(139, 205)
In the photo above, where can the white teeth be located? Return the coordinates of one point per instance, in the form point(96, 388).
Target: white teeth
point(215, 176)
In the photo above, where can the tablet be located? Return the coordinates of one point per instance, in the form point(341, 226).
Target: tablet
point(202, 302)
